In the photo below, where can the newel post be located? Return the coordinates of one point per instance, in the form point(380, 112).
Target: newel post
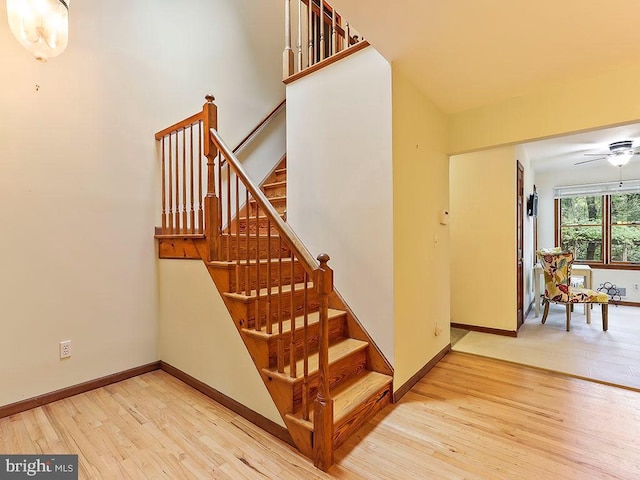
point(323, 406)
point(287, 55)
point(210, 120)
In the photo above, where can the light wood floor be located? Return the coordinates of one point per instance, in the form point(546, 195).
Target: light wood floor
point(470, 417)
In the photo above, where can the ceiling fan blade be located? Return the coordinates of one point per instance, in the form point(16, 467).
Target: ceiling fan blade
point(590, 160)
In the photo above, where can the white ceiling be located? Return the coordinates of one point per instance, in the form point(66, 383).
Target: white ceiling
point(468, 53)
point(564, 152)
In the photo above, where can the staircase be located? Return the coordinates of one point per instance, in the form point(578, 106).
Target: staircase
point(325, 375)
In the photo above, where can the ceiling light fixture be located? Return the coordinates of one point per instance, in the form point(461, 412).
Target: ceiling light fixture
point(620, 159)
point(41, 26)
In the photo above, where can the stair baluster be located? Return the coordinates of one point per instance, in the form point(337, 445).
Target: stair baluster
point(258, 325)
point(305, 351)
point(293, 357)
point(247, 234)
point(269, 304)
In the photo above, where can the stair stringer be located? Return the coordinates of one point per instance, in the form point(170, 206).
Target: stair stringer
point(258, 351)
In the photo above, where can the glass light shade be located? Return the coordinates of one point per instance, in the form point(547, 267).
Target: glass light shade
point(619, 159)
point(41, 26)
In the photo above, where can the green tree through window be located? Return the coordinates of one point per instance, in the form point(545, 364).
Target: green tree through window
point(625, 227)
point(581, 229)
point(601, 229)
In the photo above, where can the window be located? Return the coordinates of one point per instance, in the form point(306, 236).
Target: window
point(625, 227)
point(581, 227)
point(600, 229)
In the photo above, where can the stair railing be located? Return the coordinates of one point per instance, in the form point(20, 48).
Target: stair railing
point(183, 153)
point(240, 200)
point(323, 36)
point(181, 149)
point(232, 199)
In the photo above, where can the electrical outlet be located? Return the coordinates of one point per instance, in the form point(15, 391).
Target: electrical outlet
point(635, 286)
point(65, 349)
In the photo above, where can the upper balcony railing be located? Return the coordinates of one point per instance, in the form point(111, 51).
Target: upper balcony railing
point(323, 36)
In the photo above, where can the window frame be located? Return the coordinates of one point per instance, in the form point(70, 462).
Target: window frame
point(610, 236)
point(606, 262)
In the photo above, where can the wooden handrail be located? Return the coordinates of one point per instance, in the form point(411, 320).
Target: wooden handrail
point(309, 263)
point(259, 126)
point(176, 127)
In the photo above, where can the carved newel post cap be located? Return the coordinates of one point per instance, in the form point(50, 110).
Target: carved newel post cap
point(209, 98)
point(323, 258)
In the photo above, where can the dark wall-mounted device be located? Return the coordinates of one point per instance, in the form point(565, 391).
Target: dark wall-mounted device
point(532, 204)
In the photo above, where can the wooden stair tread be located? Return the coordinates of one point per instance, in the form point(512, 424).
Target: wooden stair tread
point(337, 351)
point(260, 217)
point(313, 318)
point(271, 199)
point(252, 262)
point(179, 235)
point(348, 396)
point(282, 183)
point(263, 292)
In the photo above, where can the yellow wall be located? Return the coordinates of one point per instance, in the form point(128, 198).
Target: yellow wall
point(420, 192)
point(608, 99)
point(483, 238)
point(197, 336)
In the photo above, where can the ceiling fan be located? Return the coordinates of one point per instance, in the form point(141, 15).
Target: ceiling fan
point(620, 154)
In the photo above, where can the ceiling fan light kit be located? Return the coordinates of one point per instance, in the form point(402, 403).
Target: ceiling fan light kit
point(621, 153)
point(619, 159)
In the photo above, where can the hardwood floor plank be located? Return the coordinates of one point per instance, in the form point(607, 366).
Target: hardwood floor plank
point(469, 418)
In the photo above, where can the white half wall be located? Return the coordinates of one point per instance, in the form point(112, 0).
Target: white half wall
point(339, 174)
point(198, 336)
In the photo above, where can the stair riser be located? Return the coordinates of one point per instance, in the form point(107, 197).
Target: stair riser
point(276, 249)
point(291, 399)
point(281, 176)
point(245, 313)
point(337, 329)
point(338, 372)
point(298, 276)
point(275, 190)
point(279, 204)
point(261, 223)
point(361, 415)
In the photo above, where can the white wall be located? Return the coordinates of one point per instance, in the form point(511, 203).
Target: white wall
point(198, 336)
point(78, 176)
point(483, 238)
point(592, 173)
point(339, 170)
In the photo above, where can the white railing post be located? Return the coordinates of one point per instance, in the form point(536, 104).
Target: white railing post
point(287, 55)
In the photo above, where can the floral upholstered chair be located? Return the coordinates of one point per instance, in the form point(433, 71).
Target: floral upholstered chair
point(558, 289)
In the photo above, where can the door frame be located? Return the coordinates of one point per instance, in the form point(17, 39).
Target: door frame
point(519, 245)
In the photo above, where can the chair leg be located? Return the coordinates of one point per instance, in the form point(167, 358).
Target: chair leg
point(569, 306)
point(605, 316)
point(546, 310)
